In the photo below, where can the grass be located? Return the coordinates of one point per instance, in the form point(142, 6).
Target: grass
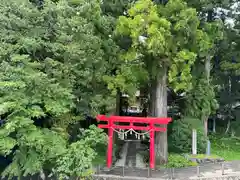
point(174, 161)
point(204, 156)
point(226, 147)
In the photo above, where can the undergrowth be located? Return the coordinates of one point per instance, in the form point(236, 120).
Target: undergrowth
point(226, 147)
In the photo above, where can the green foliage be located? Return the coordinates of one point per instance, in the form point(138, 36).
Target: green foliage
point(234, 126)
point(204, 156)
point(164, 36)
point(60, 61)
point(78, 158)
point(201, 99)
point(182, 65)
point(209, 37)
point(50, 150)
point(36, 148)
point(115, 8)
point(52, 59)
point(179, 161)
point(225, 146)
point(180, 139)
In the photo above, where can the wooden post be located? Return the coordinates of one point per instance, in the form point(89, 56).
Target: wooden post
point(152, 150)
point(110, 144)
point(194, 142)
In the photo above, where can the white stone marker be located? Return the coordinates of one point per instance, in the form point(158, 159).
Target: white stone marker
point(194, 142)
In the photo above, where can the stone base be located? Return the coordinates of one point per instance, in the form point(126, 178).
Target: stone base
point(206, 160)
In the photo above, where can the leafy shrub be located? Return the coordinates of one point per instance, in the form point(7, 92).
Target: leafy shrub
point(80, 156)
point(180, 139)
point(178, 161)
point(64, 160)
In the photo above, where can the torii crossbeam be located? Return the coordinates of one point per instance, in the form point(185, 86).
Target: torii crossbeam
point(150, 121)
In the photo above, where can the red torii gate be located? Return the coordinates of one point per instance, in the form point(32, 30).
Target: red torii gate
point(111, 126)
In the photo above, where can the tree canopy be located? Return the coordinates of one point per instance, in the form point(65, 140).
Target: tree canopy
point(64, 61)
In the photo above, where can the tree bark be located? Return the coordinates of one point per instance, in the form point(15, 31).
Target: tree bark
point(118, 103)
point(207, 72)
point(205, 125)
point(117, 112)
point(158, 108)
point(214, 125)
point(228, 126)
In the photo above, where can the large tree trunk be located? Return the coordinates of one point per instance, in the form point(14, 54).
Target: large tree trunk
point(144, 91)
point(158, 108)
